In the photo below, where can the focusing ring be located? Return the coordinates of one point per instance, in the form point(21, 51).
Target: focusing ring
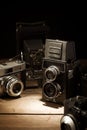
point(51, 73)
point(51, 90)
point(10, 88)
point(68, 122)
point(13, 86)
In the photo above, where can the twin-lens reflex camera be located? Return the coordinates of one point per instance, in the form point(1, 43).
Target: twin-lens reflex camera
point(58, 65)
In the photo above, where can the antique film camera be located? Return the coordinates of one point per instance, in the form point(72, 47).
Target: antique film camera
point(30, 39)
point(75, 114)
point(12, 78)
point(57, 69)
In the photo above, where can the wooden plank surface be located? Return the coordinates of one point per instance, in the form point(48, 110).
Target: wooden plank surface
point(30, 122)
point(29, 112)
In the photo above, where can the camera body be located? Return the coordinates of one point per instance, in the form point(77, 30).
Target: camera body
point(30, 38)
point(12, 78)
point(75, 114)
point(57, 69)
point(54, 80)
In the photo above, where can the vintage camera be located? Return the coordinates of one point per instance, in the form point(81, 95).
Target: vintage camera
point(12, 78)
point(75, 114)
point(54, 80)
point(57, 67)
point(30, 38)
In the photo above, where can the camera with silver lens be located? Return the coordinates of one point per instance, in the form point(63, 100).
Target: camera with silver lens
point(75, 114)
point(12, 78)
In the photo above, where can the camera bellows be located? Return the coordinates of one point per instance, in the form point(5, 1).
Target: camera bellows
point(12, 86)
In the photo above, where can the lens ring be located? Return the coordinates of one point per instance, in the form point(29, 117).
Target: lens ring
point(11, 90)
point(13, 82)
point(67, 123)
point(51, 73)
point(51, 90)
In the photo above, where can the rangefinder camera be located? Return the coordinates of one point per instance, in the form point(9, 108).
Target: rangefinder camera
point(12, 78)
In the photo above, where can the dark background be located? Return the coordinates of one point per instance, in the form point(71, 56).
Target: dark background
point(67, 21)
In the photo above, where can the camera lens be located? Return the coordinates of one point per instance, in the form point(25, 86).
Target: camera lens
point(65, 127)
point(68, 123)
point(13, 86)
point(51, 90)
point(17, 88)
point(51, 73)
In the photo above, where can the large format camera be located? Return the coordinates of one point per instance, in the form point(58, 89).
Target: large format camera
point(75, 114)
point(30, 38)
point(57, 69)
point(12, 78)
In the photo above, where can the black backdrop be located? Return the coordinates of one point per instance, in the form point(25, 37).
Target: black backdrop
point(66, 20)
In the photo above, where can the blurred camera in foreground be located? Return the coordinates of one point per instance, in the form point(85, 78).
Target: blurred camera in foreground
point(75, 114)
